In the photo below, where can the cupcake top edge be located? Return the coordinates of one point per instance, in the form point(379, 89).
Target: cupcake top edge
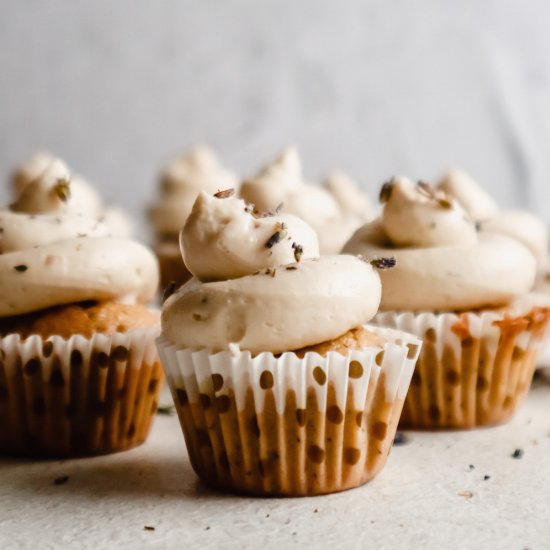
point(260, 283)
point(51, 255)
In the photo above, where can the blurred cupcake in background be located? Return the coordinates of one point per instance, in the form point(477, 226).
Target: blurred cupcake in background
point(466, 292)
point(85, 200)
point(521, 225)
point(180, 183)
point(280, 387)
point(79, 373)
point(334, 211)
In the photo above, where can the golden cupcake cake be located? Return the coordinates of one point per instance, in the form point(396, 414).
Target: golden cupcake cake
point(334, 210)
point(466, 292)
point(280, 387)
point(79, 372)
point(180, 183)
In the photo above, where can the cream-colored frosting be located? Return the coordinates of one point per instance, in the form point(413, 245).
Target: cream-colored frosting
point(517, 224)
point(351, 199)
point(448, 273)
point(522, 226)
point(333, 212)
point(313, 301)
point(477, 202)
point(84, 201)
point(222, 239)
point(51, 256)
point(417, 215)
point(181, 182)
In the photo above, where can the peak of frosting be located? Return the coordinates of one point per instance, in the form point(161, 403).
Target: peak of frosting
point(181, 181)
point(349, 195)
point(50, 191)
point(416, 215)
point(478, 203)
point(333, 210)
point(33, 186)
point(200, 169)
point(223, 239)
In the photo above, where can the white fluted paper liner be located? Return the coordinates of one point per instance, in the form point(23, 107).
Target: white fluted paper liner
point(55, 392)
point(475, 367)
point(209, 388)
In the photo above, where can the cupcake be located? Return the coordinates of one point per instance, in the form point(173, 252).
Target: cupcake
point(334, 211)
point(280, 387)
point(466, 293)
point(180, 183)
point(84, 198)
point(79, 373)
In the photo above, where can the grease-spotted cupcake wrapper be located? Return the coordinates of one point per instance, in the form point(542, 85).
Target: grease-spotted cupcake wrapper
point(285, 425)
point(474, 368)
point(78, 396)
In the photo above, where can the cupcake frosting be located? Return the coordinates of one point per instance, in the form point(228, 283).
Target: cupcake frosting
point(50, 255)
point(517, 224)
point(477, 202)
point(84, 201)
point(256, 291)
point(181, 182)
point(334, 211)
point(442, 262)
point(222, 239)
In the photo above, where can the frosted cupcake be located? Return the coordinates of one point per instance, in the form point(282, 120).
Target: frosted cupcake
point(180, 183)
point(334, 211)
point(79, 373)
point(465, 292)
point(84, 198)
point(279, 386)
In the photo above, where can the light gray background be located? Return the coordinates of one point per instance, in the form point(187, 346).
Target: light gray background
point(374, 87)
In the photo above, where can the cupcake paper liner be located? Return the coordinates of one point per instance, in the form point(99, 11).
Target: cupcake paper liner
point(77, 397)
point(474, 368)
point(290, 426)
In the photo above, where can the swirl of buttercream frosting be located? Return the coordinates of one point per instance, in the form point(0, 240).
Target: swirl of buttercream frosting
point(275, 310)
point(334, 211)
point(84, 201)
point(446, 272)
point(181, 182)
point(223, 239)
point(417, 215)
point(51, 256)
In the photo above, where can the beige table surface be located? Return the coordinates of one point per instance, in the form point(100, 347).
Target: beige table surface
point(432, 494)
